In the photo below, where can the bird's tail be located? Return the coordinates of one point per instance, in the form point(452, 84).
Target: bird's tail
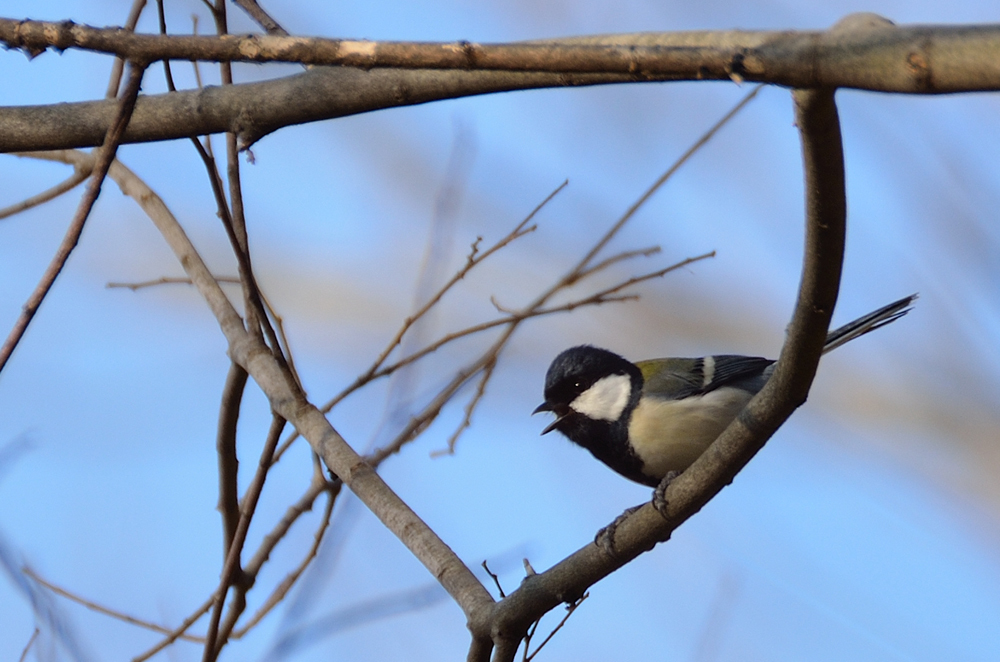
point(869, 322)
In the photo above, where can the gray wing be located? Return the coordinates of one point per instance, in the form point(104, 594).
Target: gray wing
point(676, 379)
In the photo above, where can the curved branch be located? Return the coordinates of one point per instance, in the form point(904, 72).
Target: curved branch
point(65, 186)
point(785, 391)
point(863, 51)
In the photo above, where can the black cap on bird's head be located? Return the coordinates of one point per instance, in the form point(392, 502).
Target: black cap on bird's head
point(591, 383)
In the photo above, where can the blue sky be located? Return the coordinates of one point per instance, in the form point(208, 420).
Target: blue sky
point(867, 529)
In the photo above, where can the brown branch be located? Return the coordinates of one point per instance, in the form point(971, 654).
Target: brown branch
point(27, 646)
point(581, 269)
point(107, 611)
point(178, 632)
point(784, 392)
point(229, 464)
point(569, 612)
point(62, 187)
point(232, 572)
point(105, 156)
point(253, 566)
point(118, 66)
point(788, 58)
point(261, 17)
point(474, 258)
point(166, 280)
point(470, 407)
point(863, 51)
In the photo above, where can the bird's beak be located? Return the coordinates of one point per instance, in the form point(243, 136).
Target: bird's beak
point(561, 412)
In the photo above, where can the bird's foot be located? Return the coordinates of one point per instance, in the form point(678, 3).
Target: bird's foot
point(660, 493)
point(605, 538)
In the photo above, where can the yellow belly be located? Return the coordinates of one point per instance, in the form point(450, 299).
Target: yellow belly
point(669, 435)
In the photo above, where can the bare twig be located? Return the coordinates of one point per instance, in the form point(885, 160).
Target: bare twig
point(228, 461)
point(900, 54)
point(570, 608)
point(581, 269)
point(496, 580)
point(279, 326)
point(470, 407)
point(107, 611)
point(177, 632)
point(167, 280)
point(604, 296)
point(261, 17)
point(421, 421)
point(253, 566)
point(118, 66)
point(474, 258)
point(27, 646)
point(162, 17)
point(105, 156)
point(232, 572)
point(62, 187)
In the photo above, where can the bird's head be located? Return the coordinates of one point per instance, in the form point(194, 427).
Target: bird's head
point(586, 384)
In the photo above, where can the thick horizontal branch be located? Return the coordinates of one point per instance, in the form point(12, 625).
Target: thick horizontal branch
point(863, 51)
point(794, 59)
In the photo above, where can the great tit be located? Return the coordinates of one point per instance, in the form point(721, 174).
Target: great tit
point(652, 418)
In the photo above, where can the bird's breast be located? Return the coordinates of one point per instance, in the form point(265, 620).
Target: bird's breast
point(669, 435)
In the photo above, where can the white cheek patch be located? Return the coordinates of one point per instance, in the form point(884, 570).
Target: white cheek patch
point(606, 399)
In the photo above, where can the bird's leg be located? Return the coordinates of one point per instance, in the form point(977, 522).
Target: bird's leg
point(660, 493)
point(605, 538)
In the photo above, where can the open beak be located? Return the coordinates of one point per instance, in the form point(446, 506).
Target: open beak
point(561, 412)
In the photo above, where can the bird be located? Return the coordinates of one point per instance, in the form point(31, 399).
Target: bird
point(651, 420)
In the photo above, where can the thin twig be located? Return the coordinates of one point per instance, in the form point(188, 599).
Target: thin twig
point(216, 636)
point(27, 646)
point(166, 63)
point(620, 257)
point(496, 580)
point(178, 632)
point(474, 258)
point(286, 584)
point(691, 151)
point(167, 280)
point(107, 611)
point(279, 325)
point(105, 156)
point(469, 408)
point(69, 184)
point(569, 612)
point(227, 458)
point(261, 17)
point(118, 66)
point(197, 79)
point(600, 297)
